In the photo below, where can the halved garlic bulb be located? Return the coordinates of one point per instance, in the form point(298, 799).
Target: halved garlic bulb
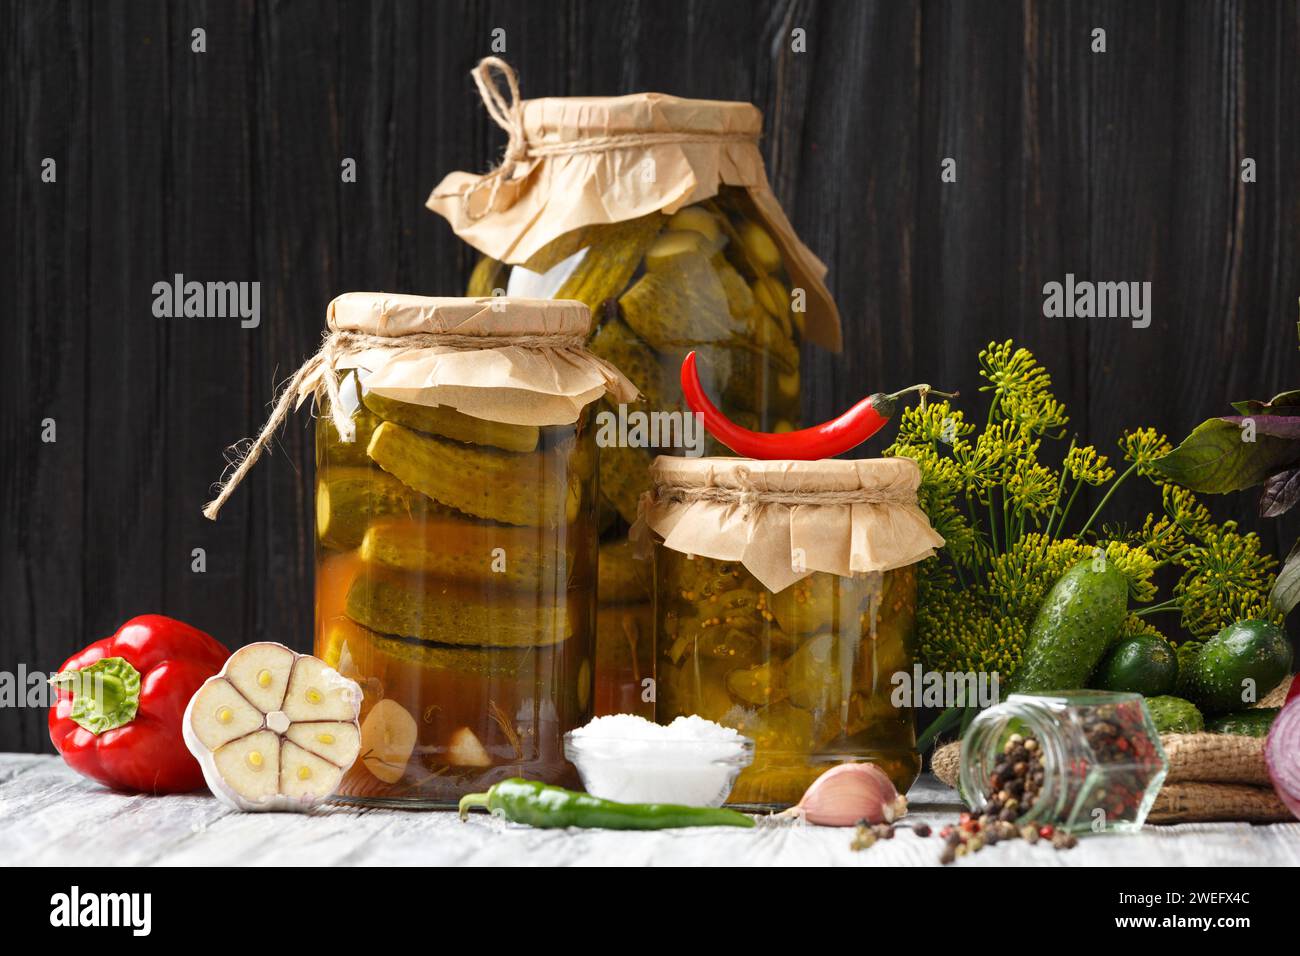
point(275, 730)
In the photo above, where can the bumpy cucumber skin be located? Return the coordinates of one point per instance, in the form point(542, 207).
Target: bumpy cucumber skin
point(1257, 650)
point(1078, 620)
point(1173, 715)
point(1244, 723)
point(1143, 664)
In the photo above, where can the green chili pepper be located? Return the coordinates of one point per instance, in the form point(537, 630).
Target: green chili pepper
point(540, 805)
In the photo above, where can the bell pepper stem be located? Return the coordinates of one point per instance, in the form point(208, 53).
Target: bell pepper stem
point(471, 800)
point(105, 695)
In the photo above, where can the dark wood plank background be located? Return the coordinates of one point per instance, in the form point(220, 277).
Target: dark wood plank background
point(225, 166)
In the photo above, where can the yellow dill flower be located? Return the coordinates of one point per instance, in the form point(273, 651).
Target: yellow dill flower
point(1226, 578)
point(1084, 464)
point(1032, 486)
point(1021, 388)
point(1185, 510)
point(1134, 626)
point(937, 422)
point(1143, 446)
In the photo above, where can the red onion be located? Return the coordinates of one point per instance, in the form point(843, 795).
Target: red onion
point(1282, 753)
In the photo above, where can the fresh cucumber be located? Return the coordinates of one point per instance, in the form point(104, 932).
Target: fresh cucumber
point(1076, 623)
point(1173, 715)
point(1143, 664)
point(1237, 666)
point(1245, 723)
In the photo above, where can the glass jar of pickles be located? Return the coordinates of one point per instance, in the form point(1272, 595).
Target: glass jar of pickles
point(656, 212)
point(456, 507)
point(785, 603)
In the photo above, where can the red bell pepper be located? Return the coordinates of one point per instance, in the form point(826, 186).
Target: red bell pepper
point(121, 700)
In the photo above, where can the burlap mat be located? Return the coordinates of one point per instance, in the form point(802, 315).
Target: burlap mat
point(1211, 777)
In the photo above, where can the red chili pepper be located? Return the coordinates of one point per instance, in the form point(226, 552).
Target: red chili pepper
point(120, 703)
point(807, 444)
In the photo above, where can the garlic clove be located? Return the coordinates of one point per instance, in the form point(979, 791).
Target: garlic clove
point(388, 737)
point(250, 766)
point(335, 741)
point(260, 672)
point(466, 750)
point(847, 793)
point(222, 714)
point(319, 692)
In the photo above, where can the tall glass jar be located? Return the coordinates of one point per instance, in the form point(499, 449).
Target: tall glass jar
point(1101, 762)
point(455, 580)
point(785, 607)
point(656, 212)
point(708, 278)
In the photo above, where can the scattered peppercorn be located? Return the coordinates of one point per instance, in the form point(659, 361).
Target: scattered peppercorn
point(921, 829)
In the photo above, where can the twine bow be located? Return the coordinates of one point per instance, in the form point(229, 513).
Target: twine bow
point(508, 113)
point(321, 371)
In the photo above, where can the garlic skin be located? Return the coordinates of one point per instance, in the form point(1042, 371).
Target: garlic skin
point(847, 793)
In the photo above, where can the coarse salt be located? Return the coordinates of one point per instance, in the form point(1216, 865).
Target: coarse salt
point(691, 761)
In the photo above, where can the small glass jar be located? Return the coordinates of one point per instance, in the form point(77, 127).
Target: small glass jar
point(805, 672)
point(1101, 759)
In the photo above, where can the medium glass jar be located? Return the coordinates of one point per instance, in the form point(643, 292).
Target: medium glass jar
point(805, 672)
point(456, 553)
point(1101, 762)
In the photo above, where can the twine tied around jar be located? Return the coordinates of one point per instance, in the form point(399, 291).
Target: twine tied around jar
point(749, 497)
point(322, 367)
point(508, 113)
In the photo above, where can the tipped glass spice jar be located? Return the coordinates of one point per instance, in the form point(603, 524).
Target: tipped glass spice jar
point(1077, 760)
point(801, 661)
point(656, 212)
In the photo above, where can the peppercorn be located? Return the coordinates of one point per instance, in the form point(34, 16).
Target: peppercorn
point(921, 829)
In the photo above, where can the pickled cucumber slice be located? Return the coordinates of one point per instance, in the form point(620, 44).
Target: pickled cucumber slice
point(741, 301)
point(348, 499)
point(672, 244)
point(759, 245)
point(518, 489)
point(460, 550)
point(679, 305)
point(408, 606)
point(615, 253)
point(623, 578)
point(449, 423)
point(697, 219)
point(488, 276)
point(819, 602)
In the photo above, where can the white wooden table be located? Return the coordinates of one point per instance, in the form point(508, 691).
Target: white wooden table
point(42, 801)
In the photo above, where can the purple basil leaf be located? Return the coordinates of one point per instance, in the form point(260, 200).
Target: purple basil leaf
point(1281, 493)
point(1279, 426)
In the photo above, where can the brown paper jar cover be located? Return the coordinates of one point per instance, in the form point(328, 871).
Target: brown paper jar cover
point(517, 376)
point(782, 520)
point(596, 160)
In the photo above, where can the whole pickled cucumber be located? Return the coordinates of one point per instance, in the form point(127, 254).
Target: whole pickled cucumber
point(348, 499)
point(522, 489)
point(624, 474)
point(474, 661)
point(333, 450)
point(623, 577)
point(615, 252)
point(412, 606)
point(680, 305)
point(620, 346)
point(463, 550)
point(449, 423)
